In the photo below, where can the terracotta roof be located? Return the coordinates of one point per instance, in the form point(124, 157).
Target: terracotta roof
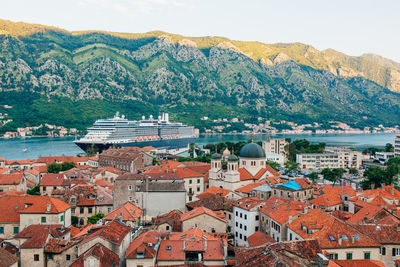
point(113, 231)
point(247, 188)
point(182, 172)
point(141, 244)
point(194, 234)
point(84, 201)
point(12, 205)
point(259, 238)
point(151, 176)
point(3, 170)
point(327, 200)
point(214, 190)
point(248, 203)
point(173, 218)
point(74, 231)
point(106, 257)
point(55, 230)
point(383, 234)
point(175, 249)
point(199, 211)
point(367, 212)
point(57, 245)
point(280, 209)
point(246, 175)
point(127, 211)
point(291, 253)
point(52, 179)
point(273, 180)
point(355, 263)
point(104, 183)
point(11, 179)
point(329, 231)
point(6, 258)
point(39, 240)
point(213, 202)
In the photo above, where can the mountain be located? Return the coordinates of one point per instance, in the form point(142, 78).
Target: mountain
point(51, 75)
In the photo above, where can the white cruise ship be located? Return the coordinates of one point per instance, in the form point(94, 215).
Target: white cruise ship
point(119, 131)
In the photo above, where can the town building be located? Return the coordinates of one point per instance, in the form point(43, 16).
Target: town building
point(396, 146)
point(277, 213)
point(348, 158)
point(154, 193)
point(128, 213)
point(246, 219)
point(298, 189)
point(317, 161)
point(204, 219)
point(276, 146)
point(383, 157)
point(249, 169)
point(125, 159)
point(340, 240)
point(14, 181)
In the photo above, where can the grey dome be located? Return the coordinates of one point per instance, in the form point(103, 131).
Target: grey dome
point(232, 158)
point(253, 151)
point(216, 156)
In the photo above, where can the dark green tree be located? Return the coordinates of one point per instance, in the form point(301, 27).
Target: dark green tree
point(74, 220)
point(389, 147)
point(313, 177)
point(34, 191)
point(95, 218)
point(274, 165)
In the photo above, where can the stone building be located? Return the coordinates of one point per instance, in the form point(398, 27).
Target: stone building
point(154, 193)
point(125, 159)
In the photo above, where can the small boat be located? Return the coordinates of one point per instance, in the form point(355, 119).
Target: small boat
point(24, 149)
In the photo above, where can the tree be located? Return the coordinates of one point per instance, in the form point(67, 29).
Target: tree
point(291, 166)
point(353, 171)
point(56, 168)
point(389, 147)
point(337, 174)
point(313, 177)
point(95, 218)
point(274, 165)
point(34, 191)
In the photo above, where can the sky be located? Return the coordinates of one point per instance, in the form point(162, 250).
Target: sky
point(353, 27)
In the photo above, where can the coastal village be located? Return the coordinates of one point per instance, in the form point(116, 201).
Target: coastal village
point(131, 206)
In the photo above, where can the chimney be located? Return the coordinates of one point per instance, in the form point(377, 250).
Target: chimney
point(305, 210)
point(372, 186)
point(322, 260)
point(353, 239)
point(48, 208)
point(340, 241)
point(290, 219)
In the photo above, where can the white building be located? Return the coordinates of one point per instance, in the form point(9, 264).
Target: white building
point(317, 161)
point(278, 158)
point(397, 146)
point(383, 157)
point(276, 146)
point(347, 158)
point(246, 219)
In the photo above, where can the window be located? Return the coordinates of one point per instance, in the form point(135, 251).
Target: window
point(229, 216)
point(237, 213)
point(1, 230)
point(237, 224)
point(130, 187)
point(241, 215)
point(198, 181)
point(257, 217)
point(198, 189)
point(333, 256)
point(16, 229)
point(383, 251)
point(44, 188)
point(81, 210)
point(36, 257)
point(43, 219)
point(245, 217)
point(190, 190)
point(68, 257)
point(367, 255)
point(73, 210)
point(62, 218)
point(245, 238)
point(130, 198)
point(245, 228)
point(190, 181)
point(290, 237)
point(236, 234)
point(349, 256)
point(190, 198)
point(240, 236)
point(241, 226)
point(167, 227)
point(50, 256)
point(90, 210)
point(257, 229)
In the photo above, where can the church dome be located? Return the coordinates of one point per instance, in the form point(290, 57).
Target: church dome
point(253, 151)
point(215, 156)
point(232, 158)
point(226, 152)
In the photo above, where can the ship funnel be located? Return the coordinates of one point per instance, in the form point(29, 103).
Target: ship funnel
point(143, 117)
point(166, 117)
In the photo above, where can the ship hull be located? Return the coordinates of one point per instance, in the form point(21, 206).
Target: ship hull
point(92, 148)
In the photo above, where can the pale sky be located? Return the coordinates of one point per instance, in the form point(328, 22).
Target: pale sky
point(353, 27)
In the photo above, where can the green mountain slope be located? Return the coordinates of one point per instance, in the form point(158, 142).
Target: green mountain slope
point(190, 77)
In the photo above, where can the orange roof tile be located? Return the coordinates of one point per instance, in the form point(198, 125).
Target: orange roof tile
point(247, 188)
point(127, 211)
point(140, 244)
point(248, 203)
point(52, 179)
point(259, 238)
point(106, 257)
point(11, 179)
point(214, 190)
point(355, 263)
point(194, 233)
point(112, 231)
point(199, 211)
point(327, 229)
point(280, 209)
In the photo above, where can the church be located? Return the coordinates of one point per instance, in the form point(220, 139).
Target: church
point(250, 168)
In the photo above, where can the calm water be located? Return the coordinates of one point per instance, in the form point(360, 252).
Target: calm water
point(36, 147)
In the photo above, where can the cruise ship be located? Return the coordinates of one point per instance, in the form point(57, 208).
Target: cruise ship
point(119, 131)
